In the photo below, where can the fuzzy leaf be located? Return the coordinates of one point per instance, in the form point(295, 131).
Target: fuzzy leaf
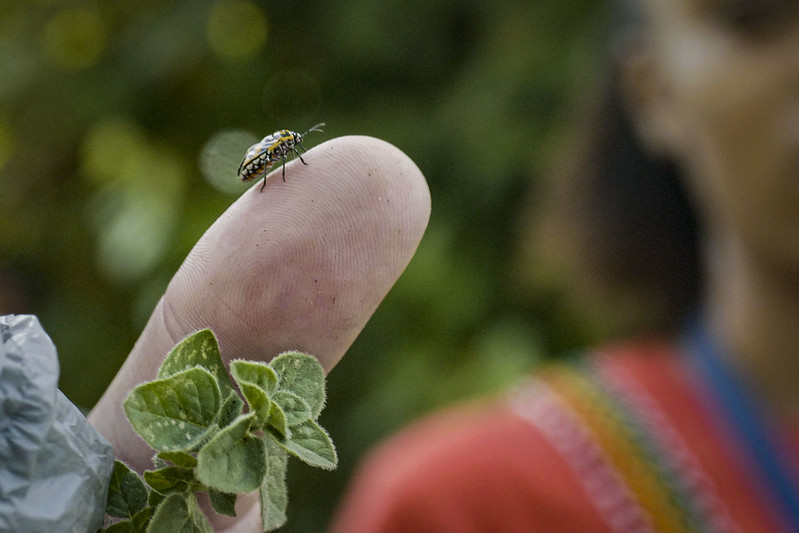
point(125, 526)
point(274, 492)
point(223, 502)
point(179, 512)
point(177, 412)
point(198, 349)
point(259, 374)
point(127, 494)
point(257, 382)
point(169, 479)
point(142, 519)
point(178, 458)
point(155, 498)
point(295, 409)
point(257, 400)
point(277, 420)
point(311, 444)
point(231, 409)
point(301, 374)
point(233, 460)
point(137, 524)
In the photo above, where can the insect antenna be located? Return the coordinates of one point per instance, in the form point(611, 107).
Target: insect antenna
point(318, 127)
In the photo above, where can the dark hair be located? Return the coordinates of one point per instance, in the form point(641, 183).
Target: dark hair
point(640, 232)
point(626, 218)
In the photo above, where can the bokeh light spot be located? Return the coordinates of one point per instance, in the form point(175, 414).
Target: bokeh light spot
point(117, 152)
point(133, 236)
point(236, 29)
point(111, 148)
point(137, 197)
point(75, 37)
point(221, 156)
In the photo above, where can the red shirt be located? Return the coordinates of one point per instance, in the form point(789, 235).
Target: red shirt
point(627, 440)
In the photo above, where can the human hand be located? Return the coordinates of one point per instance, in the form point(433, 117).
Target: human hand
point(300, 267)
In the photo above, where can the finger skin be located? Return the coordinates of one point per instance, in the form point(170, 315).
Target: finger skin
point(302, 266)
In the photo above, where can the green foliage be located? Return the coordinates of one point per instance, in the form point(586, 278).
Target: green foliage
point(309, 442)
point(169, 479)
point(208, 445)
point(175, 413)
point(223, 502)
point(257, 383)
point(301, 375)
point(126, 493)
point(178, 458)
point(234, 460)
point(231, 409)
point(199, 349)
point(179, 512)
point(295, 409)
point(274, 494)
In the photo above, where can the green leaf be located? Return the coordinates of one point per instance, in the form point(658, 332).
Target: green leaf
point(169, 479)
point(155, 498)
point(277, 420)
point(259, 374)
point(311, 444)
point(233, 460)
point(198, 349)
point(295, 409)
point(179, 458)
point(127, 494)
point(223, 502)
point(142, 519)
point(301, 374)
point(175, 413)
point(126, 526)
point(231, 409)
point(274, 492)
point(257, 382)
point(179, 512)
point(258, 401)
point(137, 524)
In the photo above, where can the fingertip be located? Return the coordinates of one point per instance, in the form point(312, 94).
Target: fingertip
point(359, 166)
point(304, 264)
point(350, 167)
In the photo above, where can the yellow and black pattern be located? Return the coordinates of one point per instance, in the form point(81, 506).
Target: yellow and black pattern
point(261, 156)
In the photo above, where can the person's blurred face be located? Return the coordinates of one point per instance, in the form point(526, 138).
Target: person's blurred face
point(729, 107)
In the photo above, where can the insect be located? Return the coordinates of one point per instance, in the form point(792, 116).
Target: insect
point(273, 148)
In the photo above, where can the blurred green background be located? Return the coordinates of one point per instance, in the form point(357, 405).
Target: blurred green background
point(122, 124)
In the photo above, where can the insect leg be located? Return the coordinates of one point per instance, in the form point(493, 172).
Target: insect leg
point(266, 168)
point(284, 167)
point(298, 154)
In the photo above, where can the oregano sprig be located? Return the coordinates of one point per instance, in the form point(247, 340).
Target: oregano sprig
point(194, 418)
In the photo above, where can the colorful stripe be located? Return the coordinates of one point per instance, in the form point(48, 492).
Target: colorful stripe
point(634, 466)
point(540, 405)
point(748, 426)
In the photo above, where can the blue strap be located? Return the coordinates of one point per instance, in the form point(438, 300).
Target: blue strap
point(744, 417)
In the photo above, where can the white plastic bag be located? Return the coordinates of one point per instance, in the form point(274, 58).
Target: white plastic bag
point(54, 466)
